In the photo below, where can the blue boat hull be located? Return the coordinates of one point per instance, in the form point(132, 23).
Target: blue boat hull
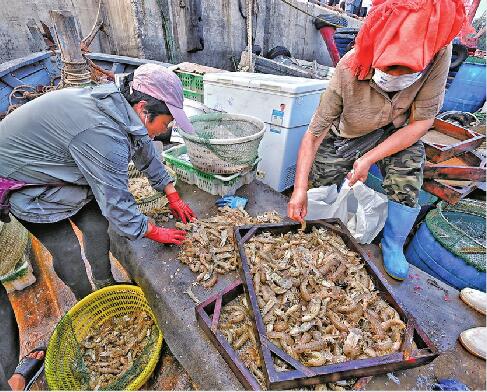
point(43, 68)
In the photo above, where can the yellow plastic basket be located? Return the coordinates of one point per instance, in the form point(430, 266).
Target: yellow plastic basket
point(63, 349)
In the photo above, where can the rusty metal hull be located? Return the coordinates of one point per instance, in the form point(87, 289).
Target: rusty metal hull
point(301, 376)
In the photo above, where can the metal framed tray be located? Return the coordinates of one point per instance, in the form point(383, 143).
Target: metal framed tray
point(208, 318)
point(301, 375)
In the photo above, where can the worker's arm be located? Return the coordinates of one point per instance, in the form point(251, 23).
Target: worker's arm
point(102, 155)
point(398, 141)
point(146, 160)
point(329, 109)
point(298, 205)
point(426, 106)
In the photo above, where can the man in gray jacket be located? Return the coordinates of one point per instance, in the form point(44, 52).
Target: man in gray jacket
point(72, 148)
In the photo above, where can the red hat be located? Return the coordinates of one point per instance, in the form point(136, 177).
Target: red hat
point(405, 32)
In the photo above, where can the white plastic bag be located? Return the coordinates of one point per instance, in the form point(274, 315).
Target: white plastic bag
point(361, 209)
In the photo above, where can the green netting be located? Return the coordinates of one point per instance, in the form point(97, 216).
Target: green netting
point(223, 143)
point(475, 60)
point(460, 228)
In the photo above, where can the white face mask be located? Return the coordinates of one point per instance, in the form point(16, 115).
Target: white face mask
point(390, 83)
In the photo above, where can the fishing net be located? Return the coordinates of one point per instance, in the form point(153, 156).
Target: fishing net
point(460, 228)
point(223, 143)
point(65, 365)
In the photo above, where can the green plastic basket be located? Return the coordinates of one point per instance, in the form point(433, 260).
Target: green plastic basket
point(64, 365)
point(192, 85)
point(214, 184)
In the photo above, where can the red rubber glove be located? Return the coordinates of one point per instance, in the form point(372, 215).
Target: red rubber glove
point(165, 236)
point(179, 208)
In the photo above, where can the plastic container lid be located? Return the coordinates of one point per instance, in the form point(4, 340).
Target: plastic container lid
point(277, 83)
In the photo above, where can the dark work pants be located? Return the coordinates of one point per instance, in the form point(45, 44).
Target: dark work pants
point(60, 240)
point(9, 342)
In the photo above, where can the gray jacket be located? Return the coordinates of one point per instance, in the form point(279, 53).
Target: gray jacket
point(85, 137)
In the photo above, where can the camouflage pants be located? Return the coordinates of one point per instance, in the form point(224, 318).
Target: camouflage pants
point(403, 172)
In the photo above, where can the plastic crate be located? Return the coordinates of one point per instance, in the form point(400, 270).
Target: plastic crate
point(192, 85)
point(198, 97)
point(212, 183)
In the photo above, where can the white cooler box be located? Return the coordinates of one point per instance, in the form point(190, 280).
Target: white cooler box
point(280, 100)
point(279, 152)
point(286, 104)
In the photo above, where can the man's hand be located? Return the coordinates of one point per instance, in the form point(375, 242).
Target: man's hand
point(360, 171)
point(297, 207)
point(165, 236)
point(179, 208)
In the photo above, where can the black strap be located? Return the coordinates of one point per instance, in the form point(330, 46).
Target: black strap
point(356, 147)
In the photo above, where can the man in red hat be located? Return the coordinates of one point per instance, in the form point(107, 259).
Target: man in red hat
point(382, 98)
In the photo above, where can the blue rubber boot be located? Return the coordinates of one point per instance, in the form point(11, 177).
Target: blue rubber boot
point(400, 221)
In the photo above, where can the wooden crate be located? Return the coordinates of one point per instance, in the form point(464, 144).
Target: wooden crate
point(301, 375)
point(467, 166)
point(450, 190)
point(463, 140)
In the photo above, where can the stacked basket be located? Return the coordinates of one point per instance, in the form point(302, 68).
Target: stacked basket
point(222, 153)
point(157, 200)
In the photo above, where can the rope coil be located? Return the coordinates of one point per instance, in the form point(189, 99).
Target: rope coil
point(75, 73)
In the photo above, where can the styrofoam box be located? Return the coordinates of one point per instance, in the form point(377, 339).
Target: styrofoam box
point(279, 153)
point(284, 101)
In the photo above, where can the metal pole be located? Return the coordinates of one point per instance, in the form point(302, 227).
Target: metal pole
point(250, 4)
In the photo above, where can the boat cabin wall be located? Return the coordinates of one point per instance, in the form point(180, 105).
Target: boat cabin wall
point(208, 32)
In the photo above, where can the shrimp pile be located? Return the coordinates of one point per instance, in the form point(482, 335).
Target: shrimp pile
point(210, 249)
point(237, 326)
point(317, 300)
point(110, 349)
point(140, 188)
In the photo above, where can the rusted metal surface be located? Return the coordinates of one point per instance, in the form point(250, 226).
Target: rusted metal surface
point(467, 141)
point(409, 356)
